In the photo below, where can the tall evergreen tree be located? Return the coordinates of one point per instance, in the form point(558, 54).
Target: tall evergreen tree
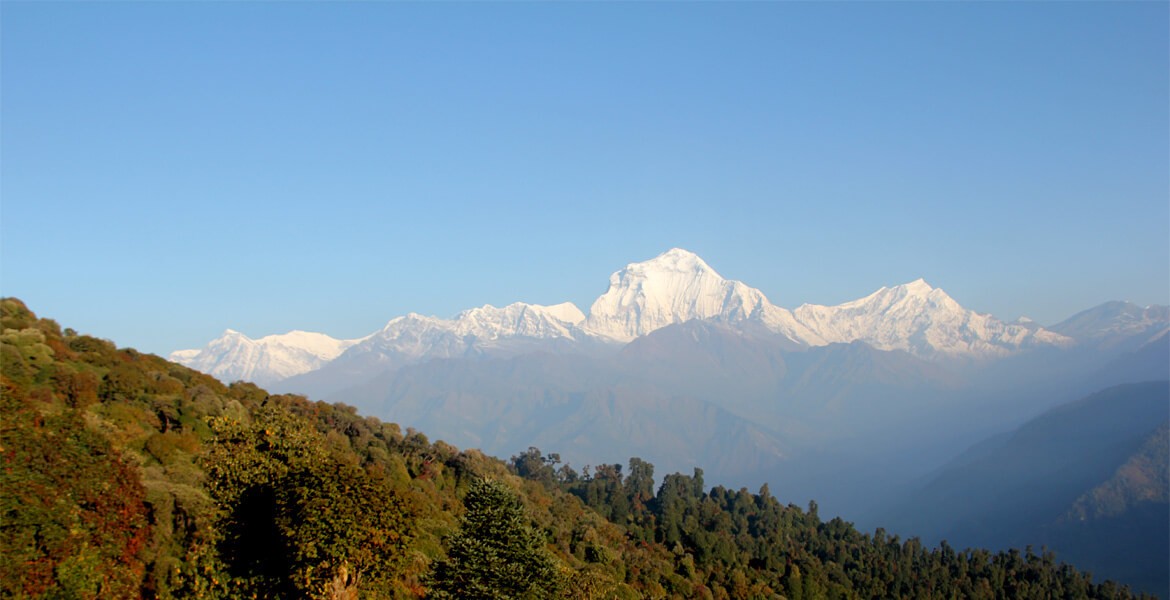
point(496, 555)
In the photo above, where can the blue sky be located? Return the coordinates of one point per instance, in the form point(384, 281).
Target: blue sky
point(170, 170)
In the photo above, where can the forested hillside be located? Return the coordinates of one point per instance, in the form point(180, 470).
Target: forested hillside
point(128, 476)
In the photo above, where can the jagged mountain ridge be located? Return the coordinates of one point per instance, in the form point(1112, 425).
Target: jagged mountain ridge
point(924, 321)
point(471, 331)
point(674, 287)
point(402, 340)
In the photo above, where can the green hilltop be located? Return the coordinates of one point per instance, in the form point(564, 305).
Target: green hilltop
point(127, 476)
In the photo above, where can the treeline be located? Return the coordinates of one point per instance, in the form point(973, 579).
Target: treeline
point(126, 476)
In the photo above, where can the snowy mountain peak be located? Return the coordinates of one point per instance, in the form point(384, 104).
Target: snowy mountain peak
point(918, 287)
point(924, 321)
point(906, 298)
point(675, 259)
point(567, 312)
point(234, 356)
point(412, 317)
point(673, 287)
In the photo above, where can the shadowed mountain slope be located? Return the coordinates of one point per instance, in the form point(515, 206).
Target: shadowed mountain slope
point(1081, 478)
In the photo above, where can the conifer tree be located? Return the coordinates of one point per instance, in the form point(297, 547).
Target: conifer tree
point(496, 554)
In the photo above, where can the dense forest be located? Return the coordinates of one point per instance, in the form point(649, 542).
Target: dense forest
point(127, 476)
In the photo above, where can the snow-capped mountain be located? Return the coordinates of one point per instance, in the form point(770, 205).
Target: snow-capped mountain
point(674, 287)
point(678, 286)
point(923, 321)
point(472, 331)
point(234, 356)
point(485, 331)
point(1122, 325)
point(519, 320)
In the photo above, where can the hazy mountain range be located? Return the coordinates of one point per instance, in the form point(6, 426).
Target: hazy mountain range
point(672, 339)
point(675, 287)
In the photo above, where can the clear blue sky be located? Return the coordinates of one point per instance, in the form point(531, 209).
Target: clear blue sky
point(170, 170)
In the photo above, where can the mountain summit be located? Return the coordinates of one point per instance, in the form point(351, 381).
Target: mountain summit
point(674, 287)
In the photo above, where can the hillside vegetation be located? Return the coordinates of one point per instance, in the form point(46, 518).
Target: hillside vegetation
point(127, 476)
